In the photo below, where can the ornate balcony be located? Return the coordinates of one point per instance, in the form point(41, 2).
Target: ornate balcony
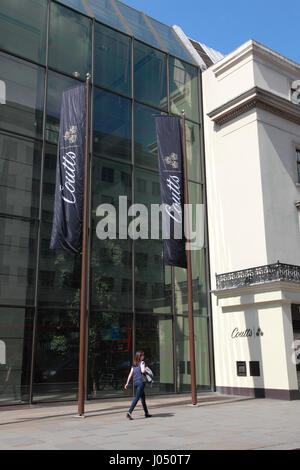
point(258, 275)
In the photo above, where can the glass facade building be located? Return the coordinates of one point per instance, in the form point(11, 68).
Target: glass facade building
point(139, 69)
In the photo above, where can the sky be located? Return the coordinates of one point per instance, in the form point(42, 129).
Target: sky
point(225, 25)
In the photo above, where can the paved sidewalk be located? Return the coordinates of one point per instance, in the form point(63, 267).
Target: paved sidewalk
point(218, 422)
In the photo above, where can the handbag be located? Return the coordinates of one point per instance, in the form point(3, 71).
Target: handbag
point(149, 375)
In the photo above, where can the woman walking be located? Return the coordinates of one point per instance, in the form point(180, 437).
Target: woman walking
point(138, 371)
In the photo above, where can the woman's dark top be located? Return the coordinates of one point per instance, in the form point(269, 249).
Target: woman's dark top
point(138, 377)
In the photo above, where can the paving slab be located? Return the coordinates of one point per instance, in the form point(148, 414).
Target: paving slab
point(219, 422)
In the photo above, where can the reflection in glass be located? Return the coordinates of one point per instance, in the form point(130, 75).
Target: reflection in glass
point(23, 28)
point(112, 125)
point(153, 290)
point(56, 85)
point(154, 336)
point(183, 354)
point(138, 25)
point(17, 261)
point(20, 161)
point(70, 41)
point(192, 133)
point(105, 12)
point(150, 76)
point(112, 59)
point(184, 89)
point(60, 271)
point(16, 326)
point(57, 355)
point(111, 259)
point(109, 354)
point(23, 110)
point(145, 145)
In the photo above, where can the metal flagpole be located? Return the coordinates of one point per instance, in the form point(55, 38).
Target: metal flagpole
point(81, 394)
point(189, 270)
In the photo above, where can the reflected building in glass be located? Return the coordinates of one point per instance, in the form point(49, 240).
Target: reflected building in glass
point(139, 69)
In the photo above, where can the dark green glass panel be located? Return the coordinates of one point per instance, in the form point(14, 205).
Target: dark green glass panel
point(20, 162)
point(70, 41)
point(109, 354)
point(56, 362)
point(112, 125)
point(154, 336)
point(112, 60)
point(138, 25)
point(169, 38)
point(145, 144)
point(105, 12)
point(184, 89)
point(192, 133)
point(111, 258)
point(60, 271)
point(23, 28)
point(183, 364)
point(21, 110)
point(56, 85)
point(150, 76)
point(153, 291)
point(18, 240)
point(16, 326)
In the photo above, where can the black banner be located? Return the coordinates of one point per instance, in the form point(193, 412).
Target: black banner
point(170, 158)
point(68, 203)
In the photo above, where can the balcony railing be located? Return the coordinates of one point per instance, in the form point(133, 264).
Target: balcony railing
point(258, 275)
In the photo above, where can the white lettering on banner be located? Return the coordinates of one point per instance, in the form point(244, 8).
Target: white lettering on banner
point(174, 186)
point(69, 163)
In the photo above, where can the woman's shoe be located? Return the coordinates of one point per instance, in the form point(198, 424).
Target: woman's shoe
point(128, 415)
point(147, 415)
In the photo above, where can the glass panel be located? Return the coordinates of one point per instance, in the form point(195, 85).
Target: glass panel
point(23, 28)
point(198, 267)
point(56, 85)
point(16, 326)
point(70, 41)
point(22, 111)
point(17, 261)
point(138, 25)
point(201, 354)
point(145, 144)
point(19, 176)
point(150, 76)
point(112, 125)
point(112, 59)
point(105, 12)
point(192, 132)
point(154, 336)
point(57, 355)
point(153, 291)
point(60, 271)
point(169, 38)
point(110, 354)
point(111, 259)
point(184, 89)
point(76, 5)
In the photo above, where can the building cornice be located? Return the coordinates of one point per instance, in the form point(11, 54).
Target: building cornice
point(255, 49)
point(255, 97)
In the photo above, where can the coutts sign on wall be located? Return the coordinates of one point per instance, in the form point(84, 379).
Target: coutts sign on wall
point(247, 333)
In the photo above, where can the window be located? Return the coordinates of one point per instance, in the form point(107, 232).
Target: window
point(112, 60)
point(145, 145)
point(112, 125)
point(23, 111)
point(184, 89)
point(298, 164)
point(23, 28)
point(107, 174)
point(70, 41)
point(150, 76)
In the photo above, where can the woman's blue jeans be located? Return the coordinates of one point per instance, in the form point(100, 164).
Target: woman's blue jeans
point(139, 394)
